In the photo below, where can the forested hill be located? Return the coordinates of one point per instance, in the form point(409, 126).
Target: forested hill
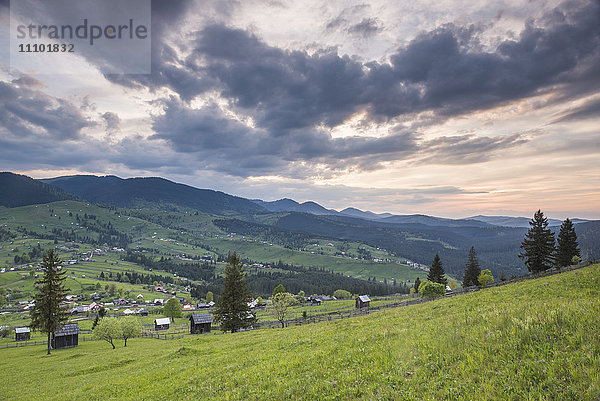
point(20, 190)
point(153, 193)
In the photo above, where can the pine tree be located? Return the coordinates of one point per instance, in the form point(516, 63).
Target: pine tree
point(232, 309)
point(417, 284)
point(538, 245)
point(472, 270)
point(436, 273)
point(48, 314)
point(567, 245)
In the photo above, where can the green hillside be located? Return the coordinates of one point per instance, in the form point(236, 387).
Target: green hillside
point(20, 190)
point(534, 340)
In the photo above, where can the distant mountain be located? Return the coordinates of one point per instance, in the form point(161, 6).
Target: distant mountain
point(153, 193)
point(290, 205)
point(354, 212)
point(506, 221)
point(20, 190)
point(433, 221)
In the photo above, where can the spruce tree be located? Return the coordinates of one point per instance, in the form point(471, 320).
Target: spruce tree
point(567, 245)
point(48, 313)
point(538, 245)
point(232, 309)
point(417, 284)
point(436, 273)
point(472, 270)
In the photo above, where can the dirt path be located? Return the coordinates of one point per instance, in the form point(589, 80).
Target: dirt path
point(14, 282)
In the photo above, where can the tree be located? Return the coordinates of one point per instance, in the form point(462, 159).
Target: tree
point(130, 327)
point(172, 309)
point(472, 269)
point(279, 289)
point(538, 245)
point(485, 277)
point(436, 273)
point(429, 289)
point(210, 297)
point(108, 329)
point(417, 284)
point(342, 294)
point(48, 314)
point(280, 303)
point(568, 247)
point(233, 312)
point(502, 276)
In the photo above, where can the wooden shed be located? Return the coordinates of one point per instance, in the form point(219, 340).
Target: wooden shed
point(22, 334)
point(363, 302)
point(65, 337)
point(200, 323)
point(162, 324)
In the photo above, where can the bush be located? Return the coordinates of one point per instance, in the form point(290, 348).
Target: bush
point(429, 289)
point(485, 277)
point(342, 294)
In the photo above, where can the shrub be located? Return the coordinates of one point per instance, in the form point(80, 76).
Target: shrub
point(428, 289)
point(342, 294)
point(485, 277)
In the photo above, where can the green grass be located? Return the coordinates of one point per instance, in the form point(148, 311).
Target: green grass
point(534, 340)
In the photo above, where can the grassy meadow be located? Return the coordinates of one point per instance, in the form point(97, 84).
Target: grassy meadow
point(534, 340)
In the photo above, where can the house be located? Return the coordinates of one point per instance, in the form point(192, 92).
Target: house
point(200, 323)
point(144, 312)
point(159, 301)
point(187, 306)
point(94, 306)
point(22, 334)
point(314, 301)
point(120, 301)
point(363, 302)
point(202, 305)
point(158, 288)
point(80, 310)
point(162, 324)
point(67, 336)
point(140, 296)
point(128, 312)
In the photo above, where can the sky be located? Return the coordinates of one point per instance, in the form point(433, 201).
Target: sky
point(448, 108)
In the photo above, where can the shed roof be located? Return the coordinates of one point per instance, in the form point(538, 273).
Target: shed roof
point(20, 330)
point(364, 298)
point(201, 318)
point(67, 330)
point(161, 321)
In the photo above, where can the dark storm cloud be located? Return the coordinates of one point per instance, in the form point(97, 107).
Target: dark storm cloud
point(223, 143)
point(26, 112)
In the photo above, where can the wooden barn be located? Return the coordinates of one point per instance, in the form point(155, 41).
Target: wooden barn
point(162, 324)
point(67, 336)
point(22, 334)
point(363, 302)
point(200, 323)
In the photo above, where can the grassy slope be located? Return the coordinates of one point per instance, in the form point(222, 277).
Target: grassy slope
point(532, 340)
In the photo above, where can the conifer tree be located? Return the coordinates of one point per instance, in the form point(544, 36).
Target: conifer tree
point(48, 314)
point(436, 273)
point(232, 310)
point(417, 284)
point(538, 245)
point(472, 270)
point(567, 244)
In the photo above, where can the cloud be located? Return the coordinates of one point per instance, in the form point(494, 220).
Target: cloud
point(590, 109)
point(26, 113)
point(366, 28)
point(468, 149)
point(443, 71)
